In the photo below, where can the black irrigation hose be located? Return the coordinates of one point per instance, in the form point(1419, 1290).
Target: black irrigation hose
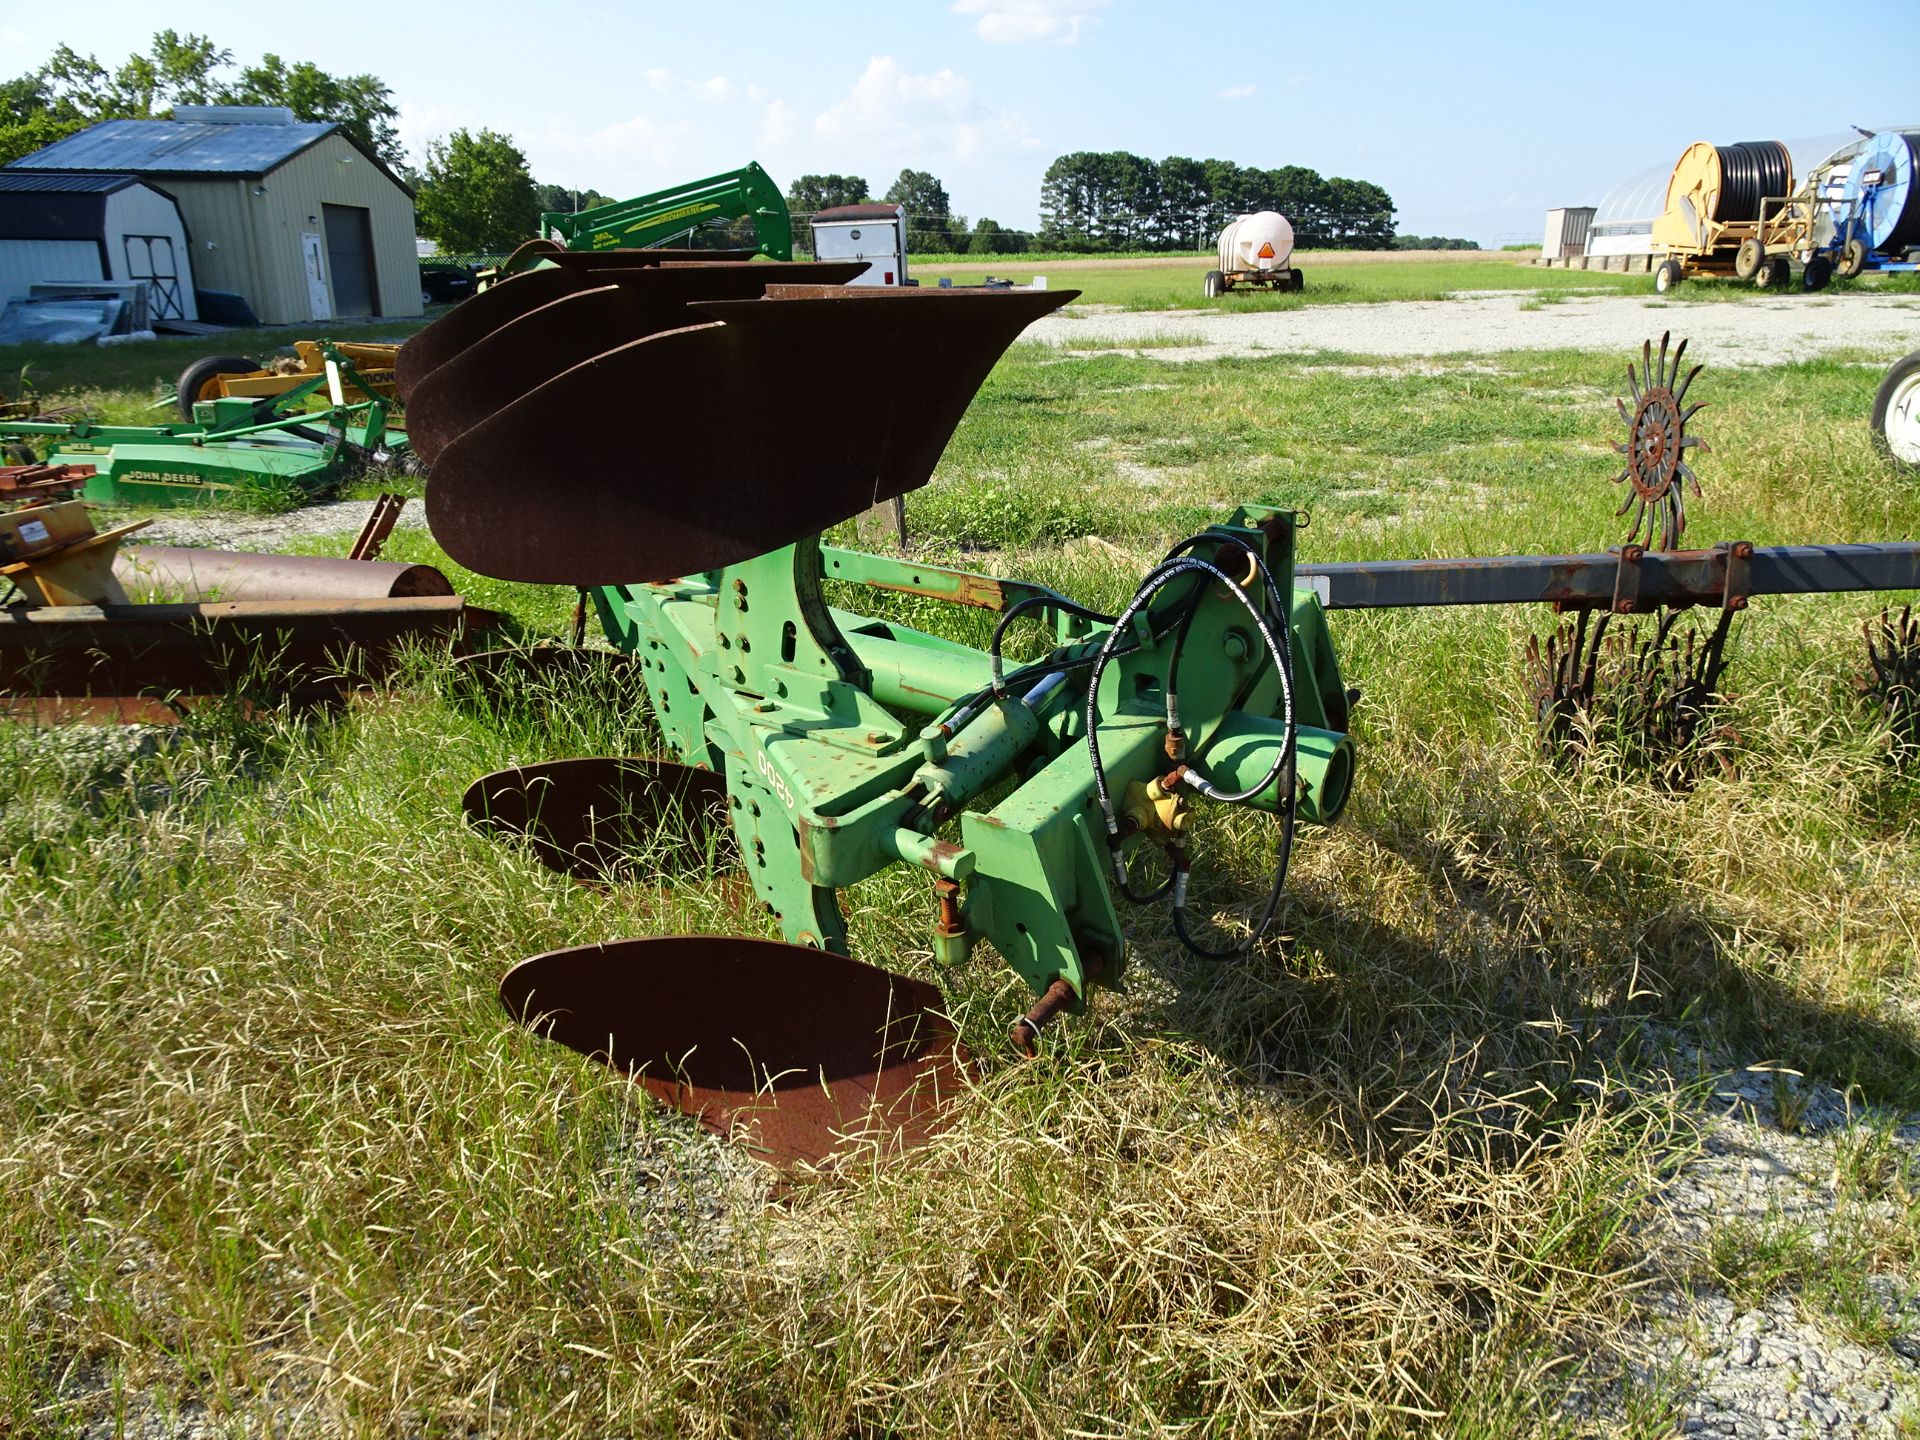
point(1751, 171)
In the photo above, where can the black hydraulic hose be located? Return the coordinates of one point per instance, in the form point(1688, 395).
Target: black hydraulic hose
point(1161, 577)
point(1182, 867)
point(1035, 602)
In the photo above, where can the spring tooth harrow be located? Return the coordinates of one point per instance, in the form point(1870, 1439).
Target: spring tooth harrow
point(826, 745)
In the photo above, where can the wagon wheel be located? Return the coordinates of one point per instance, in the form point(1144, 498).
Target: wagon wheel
point(201, 380)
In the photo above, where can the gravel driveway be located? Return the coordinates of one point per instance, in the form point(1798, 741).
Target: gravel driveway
point(1749, 331)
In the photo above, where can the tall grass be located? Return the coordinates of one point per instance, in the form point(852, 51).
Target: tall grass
point(272, 1158)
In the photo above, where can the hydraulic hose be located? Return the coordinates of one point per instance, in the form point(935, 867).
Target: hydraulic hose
point(1181, 562)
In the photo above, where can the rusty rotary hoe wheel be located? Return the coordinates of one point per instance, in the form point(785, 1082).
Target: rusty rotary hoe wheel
point(1656, 473)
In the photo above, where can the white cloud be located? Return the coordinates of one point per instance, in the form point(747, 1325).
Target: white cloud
point(1239, 92)
point(1016, 22)
point(888, 109)
point(419, 124)
point(715, 89)
point(779, 124)
point(642, 145)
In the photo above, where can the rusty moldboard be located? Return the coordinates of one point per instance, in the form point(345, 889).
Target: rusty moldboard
point(495, 306)
point(533, 346)
point(806, 1057)
point(783, 416)
point(590, 818)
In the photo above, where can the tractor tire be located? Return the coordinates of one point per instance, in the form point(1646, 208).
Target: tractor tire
point(1748, 259)
point(1668, 275)
point(1853, 259)
point(1295, 283)
point(13, 454)
point(197, 380)
point(1775, 274)
point(1213, 284)
point(1818, 272)
point(1896, 415)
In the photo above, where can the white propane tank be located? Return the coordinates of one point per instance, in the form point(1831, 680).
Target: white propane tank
point(1261, 241)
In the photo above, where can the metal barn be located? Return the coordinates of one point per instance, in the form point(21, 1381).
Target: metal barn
point(94, 227)
point(290, 214)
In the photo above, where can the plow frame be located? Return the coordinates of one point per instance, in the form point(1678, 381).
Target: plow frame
point(752, 674)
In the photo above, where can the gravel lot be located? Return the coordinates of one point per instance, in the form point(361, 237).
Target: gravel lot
point(1748, 331)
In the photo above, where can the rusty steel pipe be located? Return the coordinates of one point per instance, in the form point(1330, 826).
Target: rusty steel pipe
point(175, 574)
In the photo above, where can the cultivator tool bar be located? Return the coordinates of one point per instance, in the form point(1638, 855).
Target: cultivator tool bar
point(152, 663)
point(837, 745)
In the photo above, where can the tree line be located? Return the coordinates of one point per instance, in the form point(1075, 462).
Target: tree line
point(475, 193)
point(1113, 200)
point(72, 91)
point(932, 226)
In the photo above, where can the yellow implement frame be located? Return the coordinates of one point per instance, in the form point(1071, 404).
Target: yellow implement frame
point(373, 381)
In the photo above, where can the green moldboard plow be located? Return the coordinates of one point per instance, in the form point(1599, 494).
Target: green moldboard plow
point(815, 746)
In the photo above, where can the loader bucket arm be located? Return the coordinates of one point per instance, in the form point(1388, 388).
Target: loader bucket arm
point(746, 193)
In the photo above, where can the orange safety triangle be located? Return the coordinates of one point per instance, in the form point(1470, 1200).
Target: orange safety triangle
point(1266, 251)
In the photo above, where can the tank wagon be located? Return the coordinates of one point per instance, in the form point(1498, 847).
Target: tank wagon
point(1255, 252)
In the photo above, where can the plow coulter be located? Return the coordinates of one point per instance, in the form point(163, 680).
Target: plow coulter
point(813, 746)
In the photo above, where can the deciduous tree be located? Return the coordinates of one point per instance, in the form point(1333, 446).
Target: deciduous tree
point(476, 195)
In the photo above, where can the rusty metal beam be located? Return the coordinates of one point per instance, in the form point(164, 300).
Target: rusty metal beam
point(1664, 578)
point(152, 662)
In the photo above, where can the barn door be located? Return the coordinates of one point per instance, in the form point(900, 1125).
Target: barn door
point(312, 257)
point(350, 259)
point(151, 258)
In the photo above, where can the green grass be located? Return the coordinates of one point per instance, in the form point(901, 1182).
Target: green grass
point(1329, 281)
point(271, 1148)
point(147, 373)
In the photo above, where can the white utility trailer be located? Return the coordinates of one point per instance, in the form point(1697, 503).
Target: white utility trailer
point(876, 234)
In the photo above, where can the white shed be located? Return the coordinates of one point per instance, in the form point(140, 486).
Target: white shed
point(94, 227)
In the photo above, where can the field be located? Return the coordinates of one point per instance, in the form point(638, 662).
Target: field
point(273, 1161)
point(1333, 277)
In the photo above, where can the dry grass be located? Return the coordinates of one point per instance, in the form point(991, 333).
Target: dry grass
point(272, 1160)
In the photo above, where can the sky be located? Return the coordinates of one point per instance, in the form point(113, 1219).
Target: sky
point(1475, 118)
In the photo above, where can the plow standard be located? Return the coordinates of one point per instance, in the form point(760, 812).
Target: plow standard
point(814, 746)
